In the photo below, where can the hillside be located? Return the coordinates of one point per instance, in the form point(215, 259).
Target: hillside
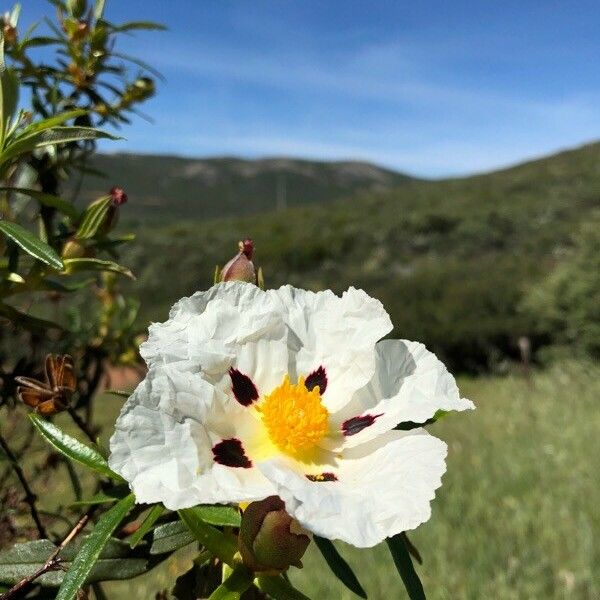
point(451, 260)
point(180, 188)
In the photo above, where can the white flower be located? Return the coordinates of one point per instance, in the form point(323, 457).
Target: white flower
point(289, 392)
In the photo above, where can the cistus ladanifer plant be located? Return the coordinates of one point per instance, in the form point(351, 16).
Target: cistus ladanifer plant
point(63, 317)
point(268, 420)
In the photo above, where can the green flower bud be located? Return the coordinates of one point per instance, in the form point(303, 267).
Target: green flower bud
point(76, 249)
point(270, 540)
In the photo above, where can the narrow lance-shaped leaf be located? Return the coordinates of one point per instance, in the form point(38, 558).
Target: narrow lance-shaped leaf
point(224, 516)
point(50, 137)
point(50, 122)
point(73, 448)
point(78, 265)
point(98, 9)
point(26, 321)
point(155, 512)
point(340, 568)
point(93, 218)
point(31, 244)
point(132, 25)
point(111, 496)
point(238, 581)
point(170, 537)
point(405, 567)
point(92, 547)
point(116, 561)
point(219, 544)
point(63, 206)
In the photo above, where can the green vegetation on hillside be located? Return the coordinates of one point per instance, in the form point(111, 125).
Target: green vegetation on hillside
point(451, 260)
point(170, 187)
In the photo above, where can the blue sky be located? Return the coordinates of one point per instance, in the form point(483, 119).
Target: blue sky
point(431, 88)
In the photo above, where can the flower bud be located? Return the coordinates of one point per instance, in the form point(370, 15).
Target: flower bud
point(9, 30)
point(118, 196)
point(76, 249)
point(270, 540)
point(240, 267)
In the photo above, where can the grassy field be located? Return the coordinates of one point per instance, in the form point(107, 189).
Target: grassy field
point(518, 515)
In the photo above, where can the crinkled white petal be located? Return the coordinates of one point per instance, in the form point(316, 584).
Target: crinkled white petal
point(410, 384)
point(163, 442)
point(337, 333)
point(233, 324)
point(384, 487)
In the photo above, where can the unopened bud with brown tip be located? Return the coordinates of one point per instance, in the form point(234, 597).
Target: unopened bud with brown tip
point(270, 540)
point(118, 197)
point(241, 267)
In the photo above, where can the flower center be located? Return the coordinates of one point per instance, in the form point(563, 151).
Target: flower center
point(294, 417)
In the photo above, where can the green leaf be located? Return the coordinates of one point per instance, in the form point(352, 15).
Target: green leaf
point(155, 512)
point(93, 218)
point(108, 497)
point(98, 9)
point(27, 321)
point(92, 548)
point(66, 286)
point(116, 561)
point(405, 567)
point(47, 200)
point(51, 137)
point(10, 99)
point(222, 515)
point(31, 244)
point(234, 586)
point(278, 588)
point(77, 265)
point(133, 25)
point(220, 545)
point(341, 569)
point(408, 425)
point(72, 448)
point(121, 393)
point(51, 122)
point(14, 15)
point(170, 537)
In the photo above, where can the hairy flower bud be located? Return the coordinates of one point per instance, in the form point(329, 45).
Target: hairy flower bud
point(270, 540)
point(240, 267)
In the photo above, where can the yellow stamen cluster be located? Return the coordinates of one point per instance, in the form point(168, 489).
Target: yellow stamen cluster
point(294, 417)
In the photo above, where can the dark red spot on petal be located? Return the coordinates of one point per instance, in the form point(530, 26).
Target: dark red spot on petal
point(357, 424)
point(317, 378)
point(231, 454)
point(244, 390)
point(322, 477)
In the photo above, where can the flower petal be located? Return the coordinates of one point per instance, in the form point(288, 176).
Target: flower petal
point(336, 333)
point(382, 488)
point(410, 384)
point(233, 324)
point(164, 439)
